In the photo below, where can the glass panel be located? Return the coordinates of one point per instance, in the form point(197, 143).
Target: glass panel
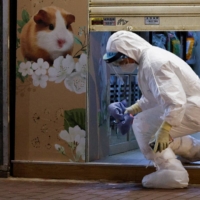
point(123, 87)
point(135, 91)
point(118, 92)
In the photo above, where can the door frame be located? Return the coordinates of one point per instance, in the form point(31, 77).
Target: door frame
point(5, 91)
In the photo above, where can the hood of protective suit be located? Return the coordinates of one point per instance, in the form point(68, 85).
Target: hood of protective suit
point(127, 43)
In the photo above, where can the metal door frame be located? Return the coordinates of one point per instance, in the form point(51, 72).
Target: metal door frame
point(4, 90)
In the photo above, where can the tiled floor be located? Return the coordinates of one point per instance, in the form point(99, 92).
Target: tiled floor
point(25, 189)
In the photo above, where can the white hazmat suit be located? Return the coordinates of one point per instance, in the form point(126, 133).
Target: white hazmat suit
point(170, 92)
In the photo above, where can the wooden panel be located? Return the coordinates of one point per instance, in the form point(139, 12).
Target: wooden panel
point(143, 2)
point(194, 174)
point(81, 171)
point(110, 172)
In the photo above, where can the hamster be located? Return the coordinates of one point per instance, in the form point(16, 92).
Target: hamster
point(48, 35)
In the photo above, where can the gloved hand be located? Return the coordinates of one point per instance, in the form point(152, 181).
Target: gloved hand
point(162, 137)
point(123, 121)
point(134, 109)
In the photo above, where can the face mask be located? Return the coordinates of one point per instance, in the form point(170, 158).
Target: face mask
point(118, 72)
point(118, 68)
point(129, 68)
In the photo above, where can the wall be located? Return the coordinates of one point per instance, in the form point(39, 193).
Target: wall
point(50, 120)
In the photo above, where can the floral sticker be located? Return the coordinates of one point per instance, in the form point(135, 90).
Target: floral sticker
point(25, 68)
point(73, 134)
point(75, 138)
point(64, 68)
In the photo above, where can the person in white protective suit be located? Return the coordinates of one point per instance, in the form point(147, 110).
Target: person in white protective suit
point(168, 111)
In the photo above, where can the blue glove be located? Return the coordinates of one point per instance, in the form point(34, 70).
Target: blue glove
point(123, 121)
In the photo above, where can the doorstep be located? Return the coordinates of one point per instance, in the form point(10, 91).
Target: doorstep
point(90, 171)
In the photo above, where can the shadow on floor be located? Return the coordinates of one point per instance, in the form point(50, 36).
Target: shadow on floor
point(130, 157)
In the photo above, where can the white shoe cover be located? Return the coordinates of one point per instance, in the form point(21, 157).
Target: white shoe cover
point(168, 179)
point(170, 172)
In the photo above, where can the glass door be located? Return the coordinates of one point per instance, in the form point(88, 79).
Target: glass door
point(122, 87)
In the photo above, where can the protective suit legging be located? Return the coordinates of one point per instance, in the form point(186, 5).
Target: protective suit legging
point(147, 123)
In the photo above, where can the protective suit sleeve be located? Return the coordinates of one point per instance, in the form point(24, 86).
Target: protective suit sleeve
point(134, 109)
point(168, 92)
point(145, 104)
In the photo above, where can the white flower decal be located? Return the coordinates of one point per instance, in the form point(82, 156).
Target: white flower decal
point(40, 67)
point(76, 83)
point(40, 80)
point(75, 138)
point(80, 150)
point(68, 64)
point(60, 148)
point(81, 65)
point(74, 134)
point(25, 68)
point(61, 69)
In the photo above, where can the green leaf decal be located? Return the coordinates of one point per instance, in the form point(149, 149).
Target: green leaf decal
point(77, 41)
point(19, 30)
point(25, 19)
point(20, 23)
point(74, 117)
point(25, 16)
point(78, 56)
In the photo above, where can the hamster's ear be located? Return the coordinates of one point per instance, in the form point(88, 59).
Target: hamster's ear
point(41, 17)
point(70, 18)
